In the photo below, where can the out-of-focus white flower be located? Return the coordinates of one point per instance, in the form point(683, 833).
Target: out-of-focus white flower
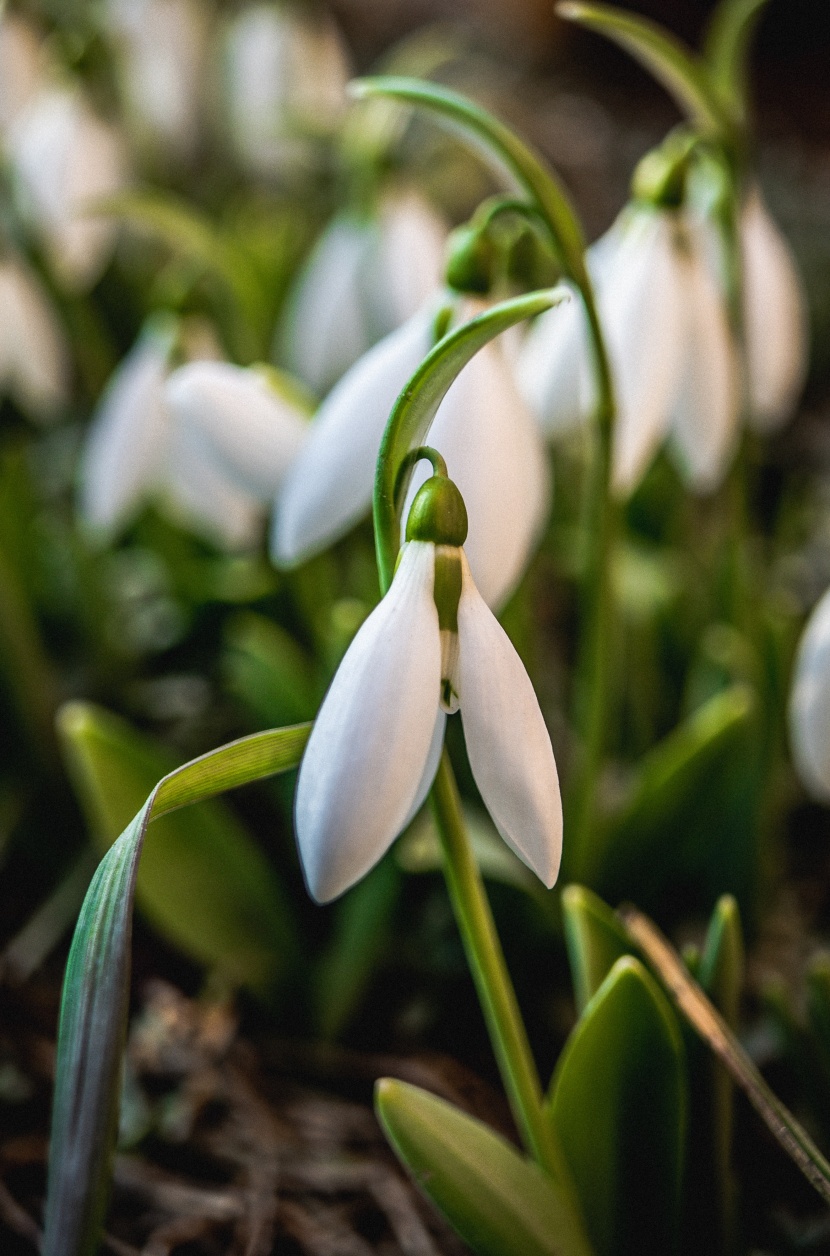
point(22, 68)
point(63, 159)
point(775, 318)
point(161, 46)
point(810, 704)
point(377, 739)
point(482, 428)
point(285, 75)
point(34, 360)
point(363, 279)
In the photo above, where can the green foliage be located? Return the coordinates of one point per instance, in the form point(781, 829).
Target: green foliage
point(594, 938)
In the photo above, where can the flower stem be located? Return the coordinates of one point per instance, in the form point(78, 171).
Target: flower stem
point(492, 980)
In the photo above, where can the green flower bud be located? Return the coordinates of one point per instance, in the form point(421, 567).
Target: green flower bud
point(438, 514)
point(470, 258)
point(660, 177)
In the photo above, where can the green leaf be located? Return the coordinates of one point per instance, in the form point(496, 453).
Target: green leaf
point(96, 986)
point(418, 403)
point(682, 73)
point(501, 1203)
point(726, 49)
point(268, 670)
point(594, 938)
point(202, 882)
point(503, 151)
point(721, 971)
point(618, 1104)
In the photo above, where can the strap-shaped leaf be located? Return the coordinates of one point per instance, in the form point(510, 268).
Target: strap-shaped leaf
point(203, 883)
point(418, 403)
point(682, 73)
point(594, 939)
point(96, 991)
point(500, 1202)
point(726, 47)
point(503, 151)
point(618, 1104)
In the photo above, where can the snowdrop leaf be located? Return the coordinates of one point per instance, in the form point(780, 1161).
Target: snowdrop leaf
point(728, 36)
point(499, 1202)
point(96, 984)
point(594, 939)
point(624, 1058)
point(269, 671)
point(202, 882)
point(418, 403)
point(504, 152)
point(673, 65)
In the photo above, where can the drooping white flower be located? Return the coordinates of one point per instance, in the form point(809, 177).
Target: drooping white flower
point(34, 359)
point(63, 159)
point(482, 428)
point(22, 68)
point(376, 741)
point(285, 75)
point(775, 318)
point(161, 47)
point(364, 278)
point(810, 704)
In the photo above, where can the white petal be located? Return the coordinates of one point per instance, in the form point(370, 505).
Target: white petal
point(329, 486)
point(325, 329)
point(203, 498)
point(126, 447)
point(35, 358)
point(775, 319)
point(250, 431)
point(368, 749)
point(553, 370)
point(508, 744)
point(706, 412)
point(21, 67)
point(810, 704)
point(436, 747)
point(495, 454)
point(408, 265)
point(641, 305)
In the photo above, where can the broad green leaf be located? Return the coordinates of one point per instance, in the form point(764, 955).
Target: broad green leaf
point(268, 670)
point(501, 1203)
point(618, 1104)
point(361, 932)
point(705, 1019)
point(594, 939)
point(682, 73)
point(726, 48)
point(503, 151)
point(96, 986)
point(202, 882)
point(418, 403)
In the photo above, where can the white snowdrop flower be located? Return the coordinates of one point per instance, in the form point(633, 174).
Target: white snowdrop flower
point(34, 358)
point(431, 646)
point(161, 46)
point(285, 76)
point(364, 277)
point(810, 704)
point(775, 318)
point(64, 158)
point(552, 369)
point(202, 498)
point(126, 450)
point(22, 68)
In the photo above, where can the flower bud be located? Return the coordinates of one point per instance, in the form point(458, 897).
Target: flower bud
point(438, 514)
point(470, 257)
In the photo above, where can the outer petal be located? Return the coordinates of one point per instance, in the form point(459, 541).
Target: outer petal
point(326, 328)
point(409, 257)
point(810, 704)
point(496, 455)
point(775, 319)
point(251, 432)
point(126, 446)
point(367, 752)
point(641, 302)
point(706, 412)
point(204, 498)
point(35, 360)
point(329, 486)
point(507, 742)
point(553, 370)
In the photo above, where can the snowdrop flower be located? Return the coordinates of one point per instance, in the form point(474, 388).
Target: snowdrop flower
point(64, 158)
point(22, 68)
point(34, 360)
point(285, 76)
point(431, 647)
point(482, 426)
point(775, 318)
point(810, 704)
point(161, 47)
point(362, 280)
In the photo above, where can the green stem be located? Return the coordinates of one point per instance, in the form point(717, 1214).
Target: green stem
point(492, 980)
